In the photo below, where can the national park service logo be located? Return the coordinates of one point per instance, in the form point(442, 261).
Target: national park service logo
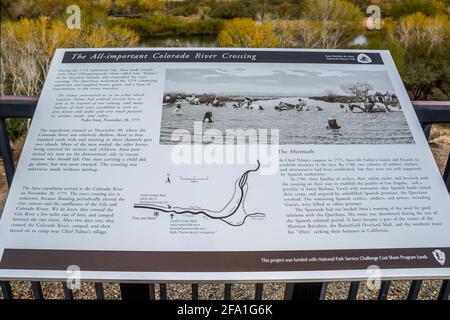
point(439, 255)
point(363, 58)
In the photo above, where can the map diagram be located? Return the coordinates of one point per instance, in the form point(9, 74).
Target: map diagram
point(233, 213)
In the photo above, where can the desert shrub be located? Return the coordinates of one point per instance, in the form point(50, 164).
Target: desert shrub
point(13, 9)
point(287, 9)
point(298, 33)
point(158, 24)
point(135, 6)
point(27, 47)
point(235, 9)
point(426, 43)
point(244, 32)
point(427, 72)
point(416, 29)
point(184, 8)
point(324, 24)
point(339, 22)
point(420, 46)
point(401, 8)
point(384, 38)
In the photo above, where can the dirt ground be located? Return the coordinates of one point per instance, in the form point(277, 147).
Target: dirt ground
point(440, 145)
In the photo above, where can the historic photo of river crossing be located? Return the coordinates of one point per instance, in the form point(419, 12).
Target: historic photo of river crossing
point(308, 106)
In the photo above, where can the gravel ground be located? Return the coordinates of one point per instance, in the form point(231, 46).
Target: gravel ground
point(440, 145)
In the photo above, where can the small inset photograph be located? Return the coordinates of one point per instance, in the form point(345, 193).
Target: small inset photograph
point(307, 106)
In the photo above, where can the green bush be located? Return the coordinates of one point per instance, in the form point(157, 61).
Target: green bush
point(236, 9)
point(403, 8)
point(185, 8)
point(423, 64)
point(121, 7)
point(426, 72)
point(157, 24)
point(16, 128)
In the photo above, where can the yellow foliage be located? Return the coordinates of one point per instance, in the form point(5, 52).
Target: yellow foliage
point(27, 47)
point(325, 24)
point(418, 28)
point(292, 33)
point(244, 32)
point(97, 36)
point(330, 23)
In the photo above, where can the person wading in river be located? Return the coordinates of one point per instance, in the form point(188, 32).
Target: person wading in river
point(208, 117)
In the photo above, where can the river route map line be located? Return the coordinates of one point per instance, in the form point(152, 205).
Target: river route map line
point(240, 185)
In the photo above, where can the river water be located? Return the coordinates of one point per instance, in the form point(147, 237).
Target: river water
point(295, 127)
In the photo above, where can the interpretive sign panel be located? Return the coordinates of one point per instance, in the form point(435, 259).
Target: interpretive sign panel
point(225, 164)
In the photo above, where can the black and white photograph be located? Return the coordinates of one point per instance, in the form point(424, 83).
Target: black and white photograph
point(307, 106)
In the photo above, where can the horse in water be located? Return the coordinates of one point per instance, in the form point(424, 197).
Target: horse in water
point(300, 106)
point(284, 106)
point(193, 100)
point(250, 105)
point(208, 117)
point(253, 106)
point(216, 103)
